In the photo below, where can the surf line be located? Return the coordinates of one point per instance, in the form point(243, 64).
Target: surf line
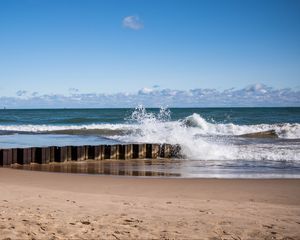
point(44, 155)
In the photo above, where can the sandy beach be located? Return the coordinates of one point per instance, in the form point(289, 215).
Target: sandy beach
point(42, 205)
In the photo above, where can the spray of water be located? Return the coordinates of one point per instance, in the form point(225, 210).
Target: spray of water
point(202, 140)
point(199, 139)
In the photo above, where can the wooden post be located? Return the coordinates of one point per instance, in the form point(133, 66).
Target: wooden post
point(120, 151)
point(7, 157)
point(155, 150)
point(74, 151)
point(99, 152)
point(41, 155)
point(176, 150)
point(107, 151)
point(64, 154)
point(110, 151)
point(33, 160)
point(148, 150)
point(128, 151)
point(86, 156)
point(20, 156)
point(90, 152)
point(14, 155)
point(45, 155)
point(142, 151)
point(165, 151)
point(69, 153)
point(81, 153)
point(113, 152)
point(27, 156)
point(60, 154)
point(135, 151)
point(138, 150)
point(1, 157)
point(52, 153)
point(152, 151)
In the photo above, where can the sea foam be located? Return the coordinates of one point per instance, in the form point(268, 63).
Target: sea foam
point(200, 139)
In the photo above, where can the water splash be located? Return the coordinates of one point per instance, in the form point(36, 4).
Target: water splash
point(199, 138)
point(203, 140)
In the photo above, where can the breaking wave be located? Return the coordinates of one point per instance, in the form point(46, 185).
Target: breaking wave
point(283, 130)
point(202, 140)
point(147, 122)
point(199, 138)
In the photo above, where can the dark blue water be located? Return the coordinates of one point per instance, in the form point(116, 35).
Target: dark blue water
point(88, 116)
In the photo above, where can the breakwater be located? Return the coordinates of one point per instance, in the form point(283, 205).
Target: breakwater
point(44, 155)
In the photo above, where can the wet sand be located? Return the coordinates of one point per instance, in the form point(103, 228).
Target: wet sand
point(44, 205)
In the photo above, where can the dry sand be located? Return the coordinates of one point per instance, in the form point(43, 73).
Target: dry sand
point(41, 205)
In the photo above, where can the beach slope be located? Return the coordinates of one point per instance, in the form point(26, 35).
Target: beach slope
point(42, 205)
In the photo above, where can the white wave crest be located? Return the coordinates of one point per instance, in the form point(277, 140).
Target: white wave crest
point(285, 130)
point(192, 134)
point(49, 128)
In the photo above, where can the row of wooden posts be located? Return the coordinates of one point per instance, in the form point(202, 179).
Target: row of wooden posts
point(45, 155)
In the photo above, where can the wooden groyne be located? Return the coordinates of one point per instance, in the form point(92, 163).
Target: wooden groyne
point(44, 155)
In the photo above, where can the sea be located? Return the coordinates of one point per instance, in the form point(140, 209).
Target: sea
point(211, 139)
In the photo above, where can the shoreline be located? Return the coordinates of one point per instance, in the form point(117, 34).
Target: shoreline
point(162, 168)
point(52, 205)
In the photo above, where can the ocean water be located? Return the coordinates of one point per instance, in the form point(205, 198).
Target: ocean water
point(209, 137)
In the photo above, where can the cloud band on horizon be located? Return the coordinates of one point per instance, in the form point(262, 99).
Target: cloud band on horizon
point(257, 95)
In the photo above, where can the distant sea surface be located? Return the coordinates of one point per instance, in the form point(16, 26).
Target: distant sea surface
point(209, 137)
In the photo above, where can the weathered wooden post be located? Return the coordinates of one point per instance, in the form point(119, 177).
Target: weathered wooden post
point(69, 153)
point(14, 155)
point(74, 156)
point(60, 154)
point(42, 155)
point(165, 151)
point(7, 157)
point(152, 151)
point(22, 155)
point(142, 151)
point(120, 151)
point(81, 153)
point(1, 157)
point(52, 153)
point(138, 151)
point(110, 151)
point(113, 152)
point(135, 151)
point(176, 151)
point(128, 151)
point(148, 150)
point(27, 155)
point(99, 152)
point(90, 152)
point(107, 151)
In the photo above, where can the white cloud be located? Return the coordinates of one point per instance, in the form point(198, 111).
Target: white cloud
point(145, 90)
point(133, 22)
point(257, 95)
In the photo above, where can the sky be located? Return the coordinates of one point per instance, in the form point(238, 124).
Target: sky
point(63, 49)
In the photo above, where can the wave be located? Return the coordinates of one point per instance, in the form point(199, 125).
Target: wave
point(283, 130)
point(199, 138)
point(141, 120)
point(45, 128)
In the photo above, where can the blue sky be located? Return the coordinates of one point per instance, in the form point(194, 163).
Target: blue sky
point(61, 47)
